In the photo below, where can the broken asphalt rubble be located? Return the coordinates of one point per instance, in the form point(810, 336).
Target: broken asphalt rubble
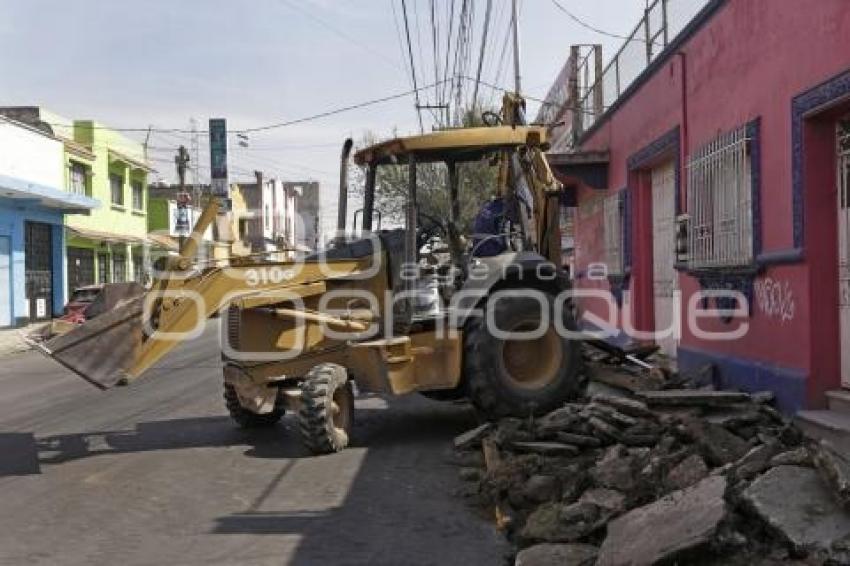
point(664, 476)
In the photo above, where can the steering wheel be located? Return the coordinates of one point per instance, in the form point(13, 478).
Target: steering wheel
point(491, 118)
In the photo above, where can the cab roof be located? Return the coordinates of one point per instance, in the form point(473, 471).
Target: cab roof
point(462, 144)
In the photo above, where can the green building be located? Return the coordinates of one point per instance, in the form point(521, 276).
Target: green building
point(108, 245)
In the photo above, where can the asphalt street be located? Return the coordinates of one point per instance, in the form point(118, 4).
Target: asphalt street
point(156, 473)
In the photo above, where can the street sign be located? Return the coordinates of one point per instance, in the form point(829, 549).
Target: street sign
point(218, 157)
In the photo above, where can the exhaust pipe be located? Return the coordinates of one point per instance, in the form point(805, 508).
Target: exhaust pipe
point(342, 210)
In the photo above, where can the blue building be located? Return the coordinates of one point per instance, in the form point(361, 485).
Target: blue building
point(33, 202)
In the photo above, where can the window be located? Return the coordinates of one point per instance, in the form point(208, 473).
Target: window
point(720, 202)
point(138, 268)
point(613, 210)
point(119, 268)
point(116, 188)
point(102, 268)
point(77, 178)
point(266, 218)
point(138, 195)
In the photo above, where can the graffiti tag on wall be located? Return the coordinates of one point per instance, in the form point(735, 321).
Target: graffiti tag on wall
point(775, 298)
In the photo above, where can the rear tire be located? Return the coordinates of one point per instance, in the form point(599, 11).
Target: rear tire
point(248, 419)
point(326, 412)
point(521, 377)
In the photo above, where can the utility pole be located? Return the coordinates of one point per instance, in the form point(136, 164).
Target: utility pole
point(262, 204)
point(147, 140)
point(517, 82)
point(181, 160)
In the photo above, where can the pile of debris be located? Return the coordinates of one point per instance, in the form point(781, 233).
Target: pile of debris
point(665, 476)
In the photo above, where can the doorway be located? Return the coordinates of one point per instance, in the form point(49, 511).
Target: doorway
point(664, 276)
point(38, 269)
point(80, 268)
point(5, 281)
point(843, 181)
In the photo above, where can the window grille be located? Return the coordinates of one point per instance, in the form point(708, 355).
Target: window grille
point(720, 202)
point(613, 212)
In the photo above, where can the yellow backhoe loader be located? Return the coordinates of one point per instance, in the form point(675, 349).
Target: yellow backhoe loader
point(383, 309)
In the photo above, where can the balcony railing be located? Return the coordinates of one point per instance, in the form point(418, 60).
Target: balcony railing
point(586, 92)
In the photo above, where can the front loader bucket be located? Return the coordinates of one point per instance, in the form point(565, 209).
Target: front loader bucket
point(103, 350)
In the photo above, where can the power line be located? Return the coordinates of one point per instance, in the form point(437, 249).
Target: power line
point(481, 55)
point(336, 110)
point(593, 28)
point(412, 66)
point(339, 32)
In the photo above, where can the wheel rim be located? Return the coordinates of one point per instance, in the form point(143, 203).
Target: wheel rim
point(532, 364)
point(341, 404)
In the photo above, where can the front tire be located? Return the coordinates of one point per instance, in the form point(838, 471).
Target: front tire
point(326, 412)
point(248, 419)
point(519, 377)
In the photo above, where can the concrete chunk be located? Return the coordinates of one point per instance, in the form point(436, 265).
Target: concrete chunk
point(472, 438)
point(796, 503)
point(692, 398)
point(546, 448)
point(834, 467)
point(631, 407)
point(689, 471)
point(578, 439)
point(550, 554)
point(718, 445)
point(668, 529)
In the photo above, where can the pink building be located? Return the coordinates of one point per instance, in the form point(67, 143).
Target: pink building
point(722, 163)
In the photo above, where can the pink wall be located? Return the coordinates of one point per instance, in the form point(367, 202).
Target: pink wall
point(748, 61)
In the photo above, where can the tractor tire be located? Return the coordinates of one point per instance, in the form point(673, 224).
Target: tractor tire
point(521, 377)
point(326, 412)
point(248, 419)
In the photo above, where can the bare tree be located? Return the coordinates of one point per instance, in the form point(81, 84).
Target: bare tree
point(476, 184)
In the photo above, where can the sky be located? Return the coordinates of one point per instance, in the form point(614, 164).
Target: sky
point(161, 63)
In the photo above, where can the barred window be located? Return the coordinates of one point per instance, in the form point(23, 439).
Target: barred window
point(720, 202)
point(614, 214)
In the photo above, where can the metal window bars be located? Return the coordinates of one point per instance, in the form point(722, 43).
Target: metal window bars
point(720, 202)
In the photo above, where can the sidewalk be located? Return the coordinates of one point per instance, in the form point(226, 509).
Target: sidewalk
point(12, 341)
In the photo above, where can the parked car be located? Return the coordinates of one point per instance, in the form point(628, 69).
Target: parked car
point(87, 303)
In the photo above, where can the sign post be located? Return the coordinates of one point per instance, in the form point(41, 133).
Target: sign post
point(218, 158)
point(220, 188)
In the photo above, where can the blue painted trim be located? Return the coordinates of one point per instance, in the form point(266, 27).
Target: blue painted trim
point(817, 98)
point(668, 144)
point(788, 384)
point(753, 130)
point(780, 257)
point(65, 200)
point(626, 212)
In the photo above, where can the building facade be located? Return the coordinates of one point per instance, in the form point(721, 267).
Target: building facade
point(33, 205)
point(722, 164)
point(266, 215)
point(308, 212)
point(108, 245)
